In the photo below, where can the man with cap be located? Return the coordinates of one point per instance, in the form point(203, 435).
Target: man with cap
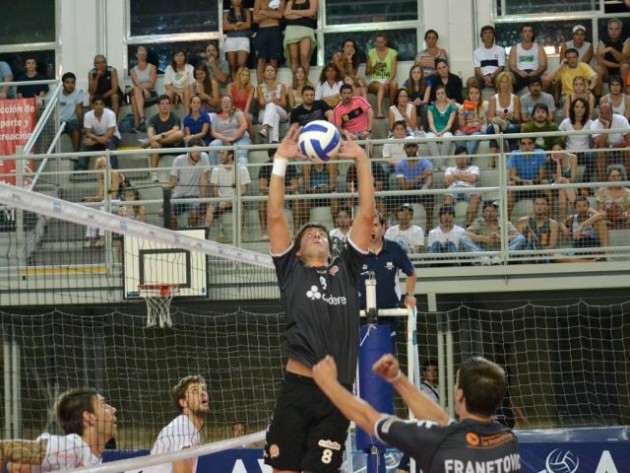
point(445, 237)
point(410, 237)
point(485, 233)
point(583, 47)
point(413, 174)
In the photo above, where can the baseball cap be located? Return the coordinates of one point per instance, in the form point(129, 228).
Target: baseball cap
point(410, 144)
point(408, 207)
point(578, 28)
point(492, 203)
point(274, 4)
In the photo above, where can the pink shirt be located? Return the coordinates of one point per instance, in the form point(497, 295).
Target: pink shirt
point(353, 117)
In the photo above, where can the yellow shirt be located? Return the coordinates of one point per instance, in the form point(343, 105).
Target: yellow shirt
point(567, 75)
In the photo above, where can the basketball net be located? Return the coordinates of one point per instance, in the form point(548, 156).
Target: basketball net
point(158, 298)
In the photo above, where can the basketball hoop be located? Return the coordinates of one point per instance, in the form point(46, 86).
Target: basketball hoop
point(158, 298)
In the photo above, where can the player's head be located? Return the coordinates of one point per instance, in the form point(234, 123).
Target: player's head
point(480, 387)
point(190, 396)
point(378, 227)
point(430, 371)
point(312, 243)
point(83, 408)
point(344, 217)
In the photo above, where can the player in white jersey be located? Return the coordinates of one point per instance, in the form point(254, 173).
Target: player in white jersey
point(190, 396)
point(88, 421)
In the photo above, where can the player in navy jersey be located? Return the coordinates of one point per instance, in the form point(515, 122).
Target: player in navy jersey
point(437, 443)
point(321, 304)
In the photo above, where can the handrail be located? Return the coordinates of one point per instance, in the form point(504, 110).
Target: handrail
point(42, 166)
point(43, 119)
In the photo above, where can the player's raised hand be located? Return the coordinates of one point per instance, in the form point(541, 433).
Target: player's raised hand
point(325, 371)
point(350, 149)
point(288, 148)
point(387, 367)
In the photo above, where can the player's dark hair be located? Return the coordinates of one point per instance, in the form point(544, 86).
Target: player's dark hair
point(308, 226)
point(571, 50)
point(483, 383)
point(68, 75)
point(70, 407)
point(345, 87)
point(195, 142)
point(529, 25)
point(428, 363)
point(534, 80)
point(488, 28)
point(164, 97)
point(97, 98)
point(307, 87)
point(437, 36)
point(587, 110)
point(615, 79)
point(179, 390)
point(400, 123)
point(460, 150)
point(541, 106)
point(541, 196)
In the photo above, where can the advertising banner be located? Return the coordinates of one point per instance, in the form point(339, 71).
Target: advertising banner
point(17, 122)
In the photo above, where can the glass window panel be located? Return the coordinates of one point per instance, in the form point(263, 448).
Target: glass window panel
point(519, 7)
point(27, 21)
point(45, 62)
point(341, 12)
point(157, 17)
point(403, 41)
point(548, 33)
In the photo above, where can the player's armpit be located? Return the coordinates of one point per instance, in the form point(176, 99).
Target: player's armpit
point(23, 451)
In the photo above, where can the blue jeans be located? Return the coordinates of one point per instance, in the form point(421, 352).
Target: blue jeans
point(84, 161)
point(446, 247)
point(468, 245)
point(471, 146)
point(241, 156)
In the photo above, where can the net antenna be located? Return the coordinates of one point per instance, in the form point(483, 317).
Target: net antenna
point(158, 298)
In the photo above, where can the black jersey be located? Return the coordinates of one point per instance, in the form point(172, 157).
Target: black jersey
point(456, 447)
point(304, 116)
point(322, 309)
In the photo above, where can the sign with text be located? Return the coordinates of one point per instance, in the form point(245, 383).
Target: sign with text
point(17, 121)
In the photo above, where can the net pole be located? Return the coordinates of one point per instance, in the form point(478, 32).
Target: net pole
point(166, 208)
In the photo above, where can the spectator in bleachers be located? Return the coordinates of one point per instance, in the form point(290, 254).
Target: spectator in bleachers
point(612, 54)
point(395, 152)
point(472, 118)
point(353, 114)
point(579, 43)
point(418, 90)
point(6, 75)
point(229, 127)
point(38, 91)
point(526, 167)
point(103, 81)
point(484, 234)
point(339, 234)
point(348, 59)
point(130, 210)
point(179, 79)
point(300, 17)
point(578, 120)
point(310, 109)
point(320, 178)
point(535, 96)
point(527, 58)
point(100, 132)
point(564, 169)
point(427, 58)
point(297, 85)
point(291, 188)
point(540, 231)
point(489, 60)
point(452, 83)
point(237, 24)
point(143, 76)
point(381, 183)
point(380, 70)
point(504, 111)
point(441, 116)
point(329, 85)
point(415, 173)
point(608, 144)
point(207, 89)
point(268, 13)
point(619, 101)
point(410, 237)
point(540, 123)
point(580, 91)
point(613, 203)
point(218, 68)
point(585, 228)
point(223, 184)
point(242, 93)
point(163, 132)
point(71, 109)
point(570, 68)
point(463, 176)
point(189, 180)
point(403, 110)
point(196, 123)
point(272, 101)
point(445, 237)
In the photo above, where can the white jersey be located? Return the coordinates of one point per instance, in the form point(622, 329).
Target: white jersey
point(65, 452)
point(178, 435)
point(409, 239)
point(438, 235)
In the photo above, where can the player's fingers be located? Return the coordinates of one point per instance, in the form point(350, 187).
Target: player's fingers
point(293, 133)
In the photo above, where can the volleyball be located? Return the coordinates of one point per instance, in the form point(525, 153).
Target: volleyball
point(319, 140)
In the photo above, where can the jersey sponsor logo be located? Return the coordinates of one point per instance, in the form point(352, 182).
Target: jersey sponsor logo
point(472, 439)
point(561, 461)
point(333, 270)
point(489, 441)
point(329, 444)
point(506, 464)
point(314, 295)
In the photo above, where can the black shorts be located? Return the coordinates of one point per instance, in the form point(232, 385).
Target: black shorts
point(269, 43)
point(307, 431)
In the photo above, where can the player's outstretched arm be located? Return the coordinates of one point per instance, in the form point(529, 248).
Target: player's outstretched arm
point(421, 406)
point(353, 408)
point(23, 451)
point(361, 230)
point(279, 234)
